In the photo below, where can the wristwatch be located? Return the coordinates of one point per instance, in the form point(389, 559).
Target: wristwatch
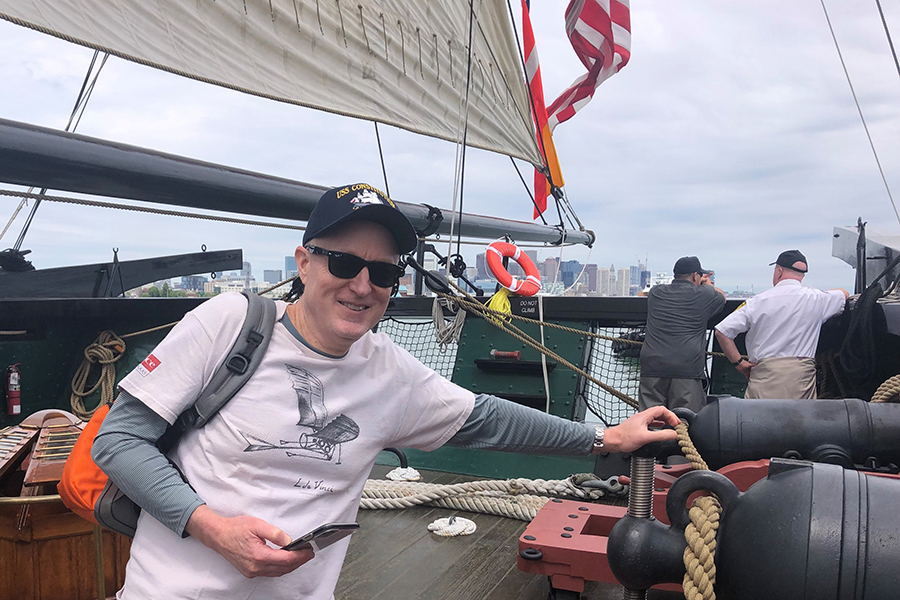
point(598, 439)
point(739, 361)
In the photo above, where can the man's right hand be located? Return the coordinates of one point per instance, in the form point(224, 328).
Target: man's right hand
point(242, 541)
point(744, 368)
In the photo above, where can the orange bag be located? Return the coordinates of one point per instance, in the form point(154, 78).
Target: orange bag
point(83, 481)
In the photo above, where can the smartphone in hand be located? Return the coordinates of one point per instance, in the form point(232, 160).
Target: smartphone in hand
point(323, 536)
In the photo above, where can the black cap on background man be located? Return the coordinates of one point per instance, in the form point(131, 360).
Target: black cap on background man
point(793, 260)
point(687, 265)
point(360, 202)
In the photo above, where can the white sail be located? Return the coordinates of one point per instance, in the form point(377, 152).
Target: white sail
point(400, 62)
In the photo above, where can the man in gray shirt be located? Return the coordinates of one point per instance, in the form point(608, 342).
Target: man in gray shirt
point(674, 351)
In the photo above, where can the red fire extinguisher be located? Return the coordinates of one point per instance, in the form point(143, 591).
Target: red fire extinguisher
point(13, 390)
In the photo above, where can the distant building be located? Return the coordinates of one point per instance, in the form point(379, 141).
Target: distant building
point(481, 270)
point(590, 276)
point(645, 279)
point(603, 276)
point(548, 269)
point(569, 271)
point(623, 282)
point(194, 283)
point(290, 267)
point(272, 276)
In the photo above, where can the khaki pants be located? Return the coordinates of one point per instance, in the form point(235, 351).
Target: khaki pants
point(672, 393)
point(783, 378)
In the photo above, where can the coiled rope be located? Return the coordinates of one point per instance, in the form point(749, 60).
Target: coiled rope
point(700, 534)
point(105, 351)
point(888, 391)
point(445, 334)
point(515, 498)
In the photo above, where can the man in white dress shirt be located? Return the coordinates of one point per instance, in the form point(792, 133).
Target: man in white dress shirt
point(782, 326)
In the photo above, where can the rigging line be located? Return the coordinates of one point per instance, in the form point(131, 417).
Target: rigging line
point(461, 149)
point(90, 92)
point(15, 214)
point(503, 77)
point(155, 211)
point(84, 95)
point(565, 196)
point(859, 109)
point(84, 85)
point(888, 34)
point(527, 191)
point(545, 245)
point(462, 171)
point(387, 190)
point(583, 269)
point(533, 111)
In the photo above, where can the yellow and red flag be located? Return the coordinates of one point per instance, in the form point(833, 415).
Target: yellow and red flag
point(539, 113)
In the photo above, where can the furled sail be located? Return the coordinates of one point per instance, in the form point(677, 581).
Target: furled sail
point(400, 62)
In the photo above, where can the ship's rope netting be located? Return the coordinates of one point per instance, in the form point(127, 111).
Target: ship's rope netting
point(618, 364)
point(614, 361)
point(416, 335)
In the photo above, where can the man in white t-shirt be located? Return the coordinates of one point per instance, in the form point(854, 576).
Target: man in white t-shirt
point(782, 326)
point(292, 449)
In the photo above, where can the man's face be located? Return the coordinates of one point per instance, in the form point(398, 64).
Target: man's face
point(337, 312)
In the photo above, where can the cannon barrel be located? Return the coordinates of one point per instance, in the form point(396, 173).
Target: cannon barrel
point(809, 530)
point(843, 432)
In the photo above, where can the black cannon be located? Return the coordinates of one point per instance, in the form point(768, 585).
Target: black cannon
point(808, 530)
point(850, 433)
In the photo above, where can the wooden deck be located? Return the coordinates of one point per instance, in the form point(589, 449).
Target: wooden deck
point(394, 557)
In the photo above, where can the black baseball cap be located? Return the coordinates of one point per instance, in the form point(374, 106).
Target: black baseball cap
point(687, 265)
point(360, 202)
point(787, 259)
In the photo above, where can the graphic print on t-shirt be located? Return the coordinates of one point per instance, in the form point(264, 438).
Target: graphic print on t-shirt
point(325, 438)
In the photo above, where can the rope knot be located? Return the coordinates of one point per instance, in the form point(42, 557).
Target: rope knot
point(105, 351)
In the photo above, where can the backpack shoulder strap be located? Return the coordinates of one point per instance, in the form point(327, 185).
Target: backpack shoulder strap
point(230, 376)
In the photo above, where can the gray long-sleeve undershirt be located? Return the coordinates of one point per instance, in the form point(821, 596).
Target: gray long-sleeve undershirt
point(125, 448)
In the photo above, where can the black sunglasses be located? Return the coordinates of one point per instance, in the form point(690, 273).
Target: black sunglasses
point(348, 266)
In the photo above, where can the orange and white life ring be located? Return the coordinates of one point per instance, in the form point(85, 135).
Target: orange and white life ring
point(530, 286)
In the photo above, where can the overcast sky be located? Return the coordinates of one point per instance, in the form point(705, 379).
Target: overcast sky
point(732, 134)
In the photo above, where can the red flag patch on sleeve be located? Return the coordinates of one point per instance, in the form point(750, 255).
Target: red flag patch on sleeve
point(147, 366)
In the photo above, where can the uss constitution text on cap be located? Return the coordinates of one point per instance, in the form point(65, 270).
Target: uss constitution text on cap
point(360, 202)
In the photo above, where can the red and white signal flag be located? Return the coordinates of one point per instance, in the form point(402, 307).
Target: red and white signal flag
point(600, 33)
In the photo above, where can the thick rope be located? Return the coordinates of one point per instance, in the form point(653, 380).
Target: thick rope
point(889, 391)
point(688, 449)
point(104, 351)
point(515, 498)
point(700, 554)
point(452, 527)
